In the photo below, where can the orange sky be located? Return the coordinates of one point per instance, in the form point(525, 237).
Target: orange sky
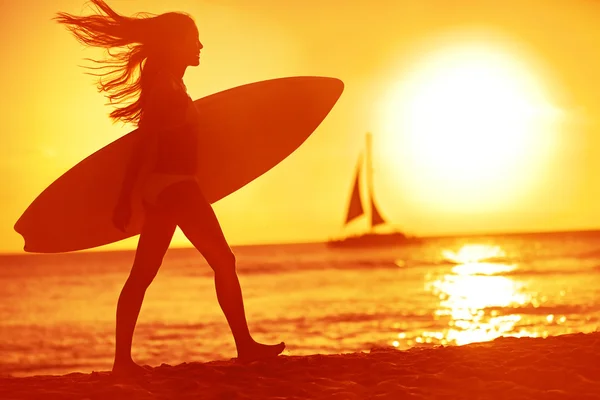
point(383, 51)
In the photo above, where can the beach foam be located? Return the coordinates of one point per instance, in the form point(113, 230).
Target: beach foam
point(560, 367)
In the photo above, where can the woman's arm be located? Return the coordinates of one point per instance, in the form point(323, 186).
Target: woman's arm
point(139, 160)
point(141, 151)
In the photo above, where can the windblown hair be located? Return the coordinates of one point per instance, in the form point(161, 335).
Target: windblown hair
point(141, 42)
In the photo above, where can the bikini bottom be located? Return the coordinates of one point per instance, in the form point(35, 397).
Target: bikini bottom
point(157, 182)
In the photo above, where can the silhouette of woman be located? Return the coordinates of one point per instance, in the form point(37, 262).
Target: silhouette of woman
point(147, 74)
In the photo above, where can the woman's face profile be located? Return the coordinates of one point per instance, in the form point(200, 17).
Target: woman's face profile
point(187, 50)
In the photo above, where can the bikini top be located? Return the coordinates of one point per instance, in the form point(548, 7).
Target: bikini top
point(170, 113)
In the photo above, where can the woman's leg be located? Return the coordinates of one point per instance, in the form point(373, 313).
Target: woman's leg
point(154, 241)
point(197, 220)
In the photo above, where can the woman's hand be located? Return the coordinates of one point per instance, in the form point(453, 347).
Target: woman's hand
point(122, 215)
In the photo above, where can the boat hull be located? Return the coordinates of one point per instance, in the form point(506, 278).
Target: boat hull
point(374, 240)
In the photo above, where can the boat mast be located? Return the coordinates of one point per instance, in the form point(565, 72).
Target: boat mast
point(375, 215)
point(369, 176)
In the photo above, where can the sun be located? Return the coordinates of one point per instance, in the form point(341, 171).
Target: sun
point(470, 128)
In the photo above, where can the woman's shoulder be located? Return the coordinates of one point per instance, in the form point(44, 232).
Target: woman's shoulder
point(164, 100)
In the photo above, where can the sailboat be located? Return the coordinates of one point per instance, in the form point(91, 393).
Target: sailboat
point(356, 209)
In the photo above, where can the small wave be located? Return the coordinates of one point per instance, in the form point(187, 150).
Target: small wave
point(522, 269)
point(257, 268)
point(578, 256)
point(42, 368)
point(362, 317)
point(530, 309)
point(343, 318)
point(541, 272)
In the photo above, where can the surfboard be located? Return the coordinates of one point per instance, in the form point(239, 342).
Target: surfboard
point(246, 131)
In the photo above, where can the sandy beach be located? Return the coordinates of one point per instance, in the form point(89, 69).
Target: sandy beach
point(560, 367)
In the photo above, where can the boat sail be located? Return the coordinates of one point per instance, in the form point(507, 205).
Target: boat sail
point(356, 209)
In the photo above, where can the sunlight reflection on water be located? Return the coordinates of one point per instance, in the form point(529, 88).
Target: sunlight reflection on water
point(470, 295)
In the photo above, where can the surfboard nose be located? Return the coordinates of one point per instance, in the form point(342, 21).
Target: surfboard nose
point(337, 88)
point(320, 93)
point(325, 84)
point(338, 85)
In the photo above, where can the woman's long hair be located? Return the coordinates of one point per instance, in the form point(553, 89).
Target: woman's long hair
point(140, 41)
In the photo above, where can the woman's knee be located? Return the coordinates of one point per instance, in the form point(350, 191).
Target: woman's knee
point(141, 276)
point(223, 262)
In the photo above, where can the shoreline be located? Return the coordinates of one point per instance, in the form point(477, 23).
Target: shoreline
point(557, 367)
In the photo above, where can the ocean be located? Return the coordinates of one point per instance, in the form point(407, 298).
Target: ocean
point(57, 312)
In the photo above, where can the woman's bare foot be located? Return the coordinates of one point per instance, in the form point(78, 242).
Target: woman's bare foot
point(257, 351)
point(128, 369)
